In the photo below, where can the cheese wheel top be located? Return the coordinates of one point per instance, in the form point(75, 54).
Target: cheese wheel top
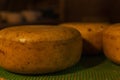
point(113, 29)
point(38, 33)
point(86, 27)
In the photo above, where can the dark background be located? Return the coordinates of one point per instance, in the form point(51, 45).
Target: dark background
point(69, 10)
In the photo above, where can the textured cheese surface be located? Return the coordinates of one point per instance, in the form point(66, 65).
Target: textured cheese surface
point(91, 34)
point(111, 43)
point(49, 49)
point(38, 33)
point(113, 30)
point(87, 27)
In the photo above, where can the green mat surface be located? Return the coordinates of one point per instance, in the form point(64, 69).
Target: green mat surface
point(88, 68)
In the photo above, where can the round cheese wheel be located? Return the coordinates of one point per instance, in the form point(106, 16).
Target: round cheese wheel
point(14, 18)
point(31, 16)
point(3, 15)
point(34, 49)
point(91, 34)
point(111, 43)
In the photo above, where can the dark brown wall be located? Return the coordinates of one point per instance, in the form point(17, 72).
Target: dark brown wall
point(89, 10)
point(75, 10)
point(115, 11)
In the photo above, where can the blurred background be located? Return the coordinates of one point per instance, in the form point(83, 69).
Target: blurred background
point(15, 12)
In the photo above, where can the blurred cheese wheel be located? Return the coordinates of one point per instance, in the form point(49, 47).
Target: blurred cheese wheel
point(14, 18)
point(31, 16)
point(33, 49)
point(3, 15)
point(91, 34)
point(111, 43)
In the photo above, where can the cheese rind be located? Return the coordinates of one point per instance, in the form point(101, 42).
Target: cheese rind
point(111, 40)
point(91, 34)
point(37, 53)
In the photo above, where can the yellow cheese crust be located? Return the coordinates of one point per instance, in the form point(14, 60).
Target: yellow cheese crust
point(111, 40)
point(58, 49)
point(91, 34)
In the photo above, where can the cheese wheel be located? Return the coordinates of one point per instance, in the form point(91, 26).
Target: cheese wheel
point(91, 34)
point(13, 18)
point(34, 49)
point(31, 16)
point(111, 43)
